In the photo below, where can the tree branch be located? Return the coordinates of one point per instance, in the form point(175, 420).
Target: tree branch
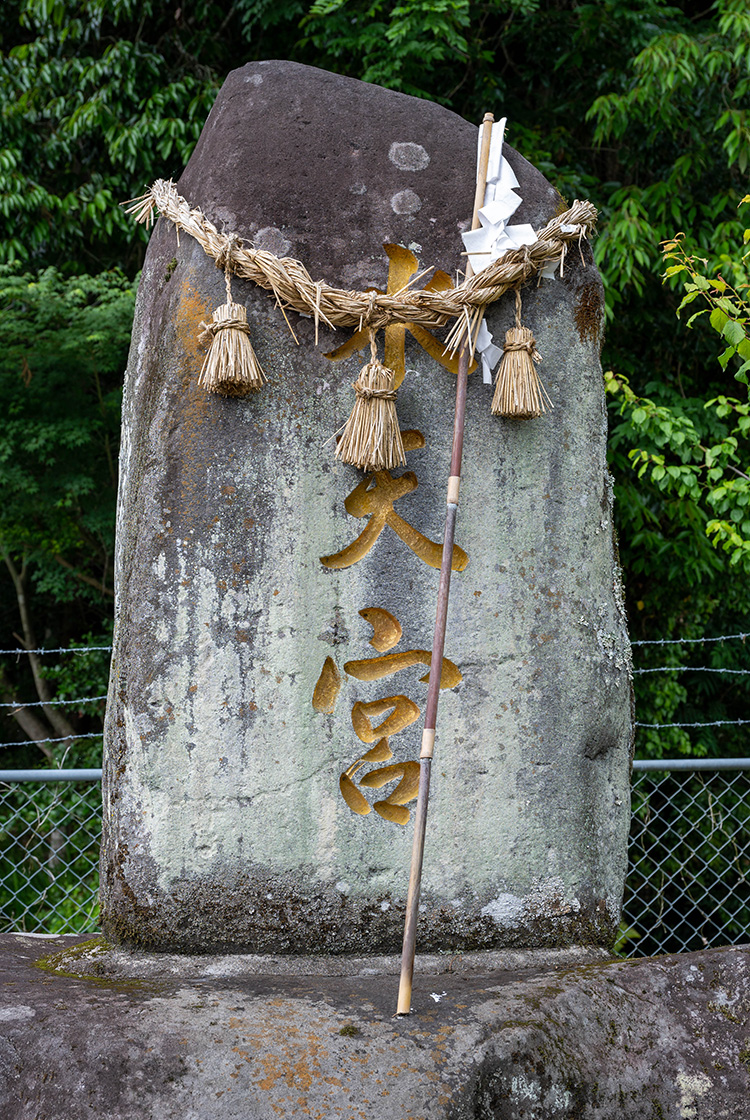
point(58, 721)
point(29, 723)
point(35, 730)
point(84, 578)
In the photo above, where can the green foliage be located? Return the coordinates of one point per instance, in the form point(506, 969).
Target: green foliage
point(625, 935)
point(728, 311)
point(681, 142)
point(62, 349)
point(98, 100)
point(697, 464)
point(63, 344)
point(393, 45)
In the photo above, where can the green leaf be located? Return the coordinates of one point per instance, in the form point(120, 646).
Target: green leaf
point(725, 356)
point(733, 332)
point(718, 319)
point(687, 299)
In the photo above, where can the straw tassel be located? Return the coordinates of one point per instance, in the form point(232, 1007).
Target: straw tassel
point(231, 368)
point(518, 391)
point(372, 438)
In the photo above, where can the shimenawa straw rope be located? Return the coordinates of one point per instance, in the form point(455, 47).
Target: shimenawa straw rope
point(294, 288)
point(371, 439)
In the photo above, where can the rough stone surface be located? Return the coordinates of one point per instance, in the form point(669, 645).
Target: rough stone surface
point(224, 825)
point(661, 1039)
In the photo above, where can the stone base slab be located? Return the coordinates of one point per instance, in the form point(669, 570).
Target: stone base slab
point(89, 1031)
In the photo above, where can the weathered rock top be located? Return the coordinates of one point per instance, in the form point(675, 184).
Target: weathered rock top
point(324, 168)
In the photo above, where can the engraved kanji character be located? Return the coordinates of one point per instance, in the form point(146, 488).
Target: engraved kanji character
point(374, 498)
point(392, 808)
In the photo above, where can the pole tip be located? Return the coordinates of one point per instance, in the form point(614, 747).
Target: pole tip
point(489, 118)
point(404, 996)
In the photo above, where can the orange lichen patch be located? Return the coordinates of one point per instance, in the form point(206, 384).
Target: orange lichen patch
point(300, 1075)
point(284, 1063)
point(191, 311)
point(386, 628)
point(404, 713)
point(326, 691)
point(373, 668)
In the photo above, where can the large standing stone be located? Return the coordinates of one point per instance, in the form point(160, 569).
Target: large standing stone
point(224, 825)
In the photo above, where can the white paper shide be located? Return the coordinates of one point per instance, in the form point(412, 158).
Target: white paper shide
point(495, 235)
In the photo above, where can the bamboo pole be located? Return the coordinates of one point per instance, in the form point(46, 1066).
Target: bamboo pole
point(441, 614)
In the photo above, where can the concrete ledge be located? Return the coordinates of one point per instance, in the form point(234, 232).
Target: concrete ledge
point(589, 1039)
point(97, 957)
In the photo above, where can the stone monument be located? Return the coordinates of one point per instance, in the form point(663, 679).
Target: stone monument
point(275, 606)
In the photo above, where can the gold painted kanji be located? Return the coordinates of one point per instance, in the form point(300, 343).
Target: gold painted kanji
point(374, 498)
point(403, 712)
point(392, 808)
point(399, 712)
point(373, 668)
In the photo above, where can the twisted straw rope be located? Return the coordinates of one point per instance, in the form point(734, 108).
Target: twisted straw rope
point(294, 288)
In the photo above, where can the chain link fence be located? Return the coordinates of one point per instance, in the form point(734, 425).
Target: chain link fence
point(50, 828)
point(689, 856)
point(687, 885)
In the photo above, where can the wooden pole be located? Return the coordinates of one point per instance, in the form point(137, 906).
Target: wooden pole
point(441, 614)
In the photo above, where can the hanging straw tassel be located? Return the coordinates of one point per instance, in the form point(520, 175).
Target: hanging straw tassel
point(372, 438)
point(231, 368)
point(518, 391)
